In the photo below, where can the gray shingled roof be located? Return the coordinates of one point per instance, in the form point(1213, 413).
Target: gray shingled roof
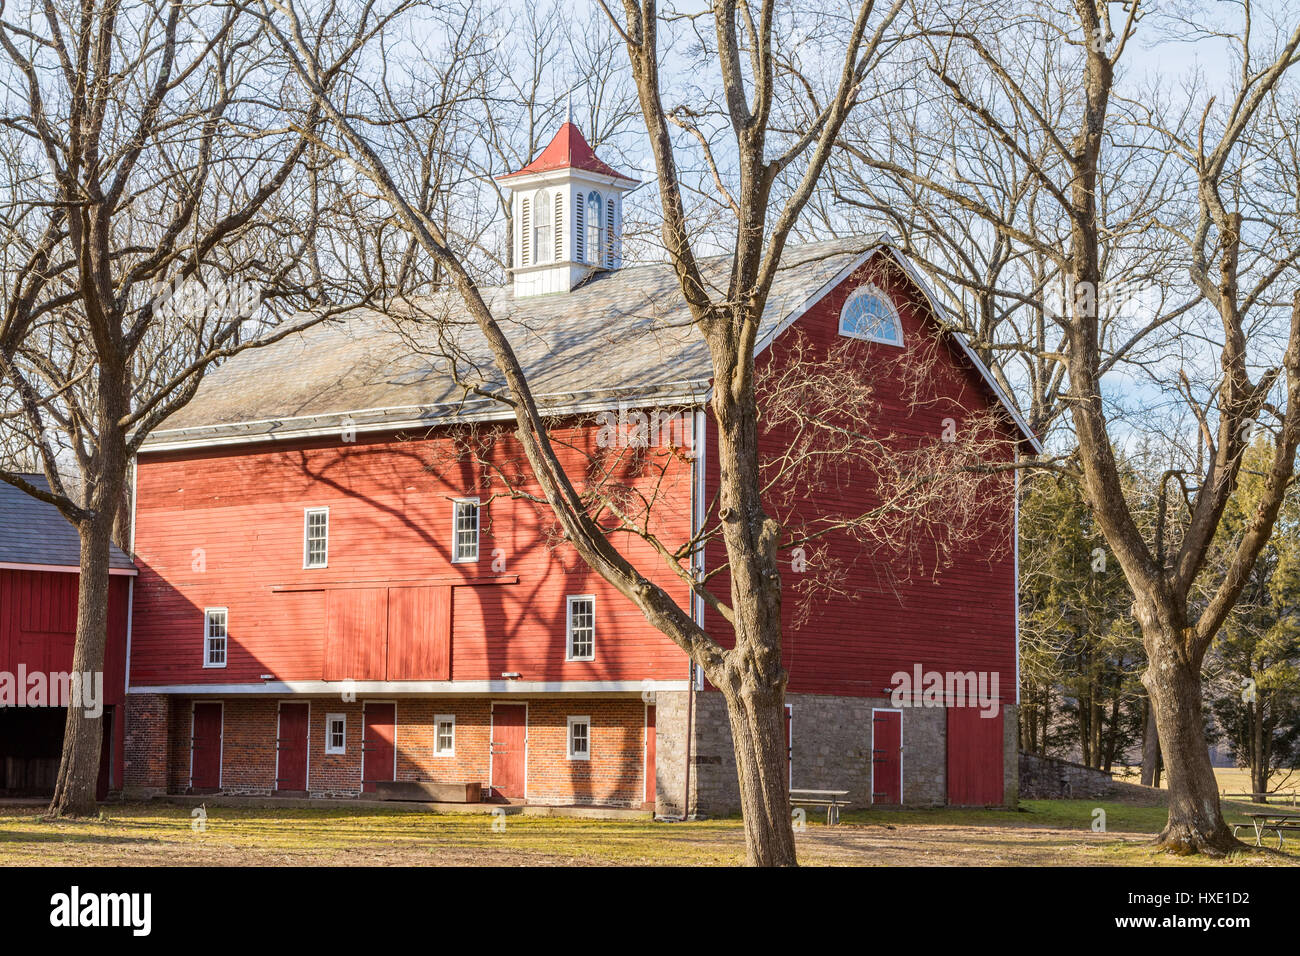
point(34, 532)
point(624, 334)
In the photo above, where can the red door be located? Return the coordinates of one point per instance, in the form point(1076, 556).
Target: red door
point(291, 748)
point(789, 748)
point(105, 782)
point(650, 754)
point(508, 748)
point(378, 745)
point(887, 756)
point(205, 747)
point(974, 758)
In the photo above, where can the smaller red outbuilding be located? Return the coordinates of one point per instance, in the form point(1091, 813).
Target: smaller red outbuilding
point(39, 574)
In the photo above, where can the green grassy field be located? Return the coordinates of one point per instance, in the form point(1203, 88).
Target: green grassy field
point(1056, 832)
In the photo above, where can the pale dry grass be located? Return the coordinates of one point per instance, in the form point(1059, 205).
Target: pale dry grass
point(1052, 834)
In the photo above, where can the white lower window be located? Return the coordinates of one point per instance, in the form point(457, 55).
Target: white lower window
point(336, 733)
point(444, 735)
point(579, 738)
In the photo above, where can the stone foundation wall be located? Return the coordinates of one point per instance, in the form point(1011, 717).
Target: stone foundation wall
point(1047, 778)
point(831, 743)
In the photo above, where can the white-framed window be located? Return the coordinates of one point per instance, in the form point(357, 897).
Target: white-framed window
point(464, 529)
point(315, 537)
point(215, 633)
point(869, 314)
point(594, 222)
point(579, 738)
point(444, 735)
point(580, 628)
point(543, 238)
point(336, 733)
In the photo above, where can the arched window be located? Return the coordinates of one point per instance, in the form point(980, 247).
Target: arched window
point(543, 239)
point(595, 215)
point(868, 314)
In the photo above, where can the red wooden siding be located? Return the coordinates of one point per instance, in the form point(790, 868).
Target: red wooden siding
point(887, 615)
point(38, 624)
point(974, 757)
point(224, 528)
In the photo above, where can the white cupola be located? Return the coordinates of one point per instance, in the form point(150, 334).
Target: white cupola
point(567, 210)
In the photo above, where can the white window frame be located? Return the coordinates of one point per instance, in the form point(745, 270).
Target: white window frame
point(863, 291)
point(306, 537)
point(455, 533)
point(568, 742)
point(329, 747)
point(208, 636)
point(593, 254)
point(568, 627)
point(438, 721)
point(543, 227)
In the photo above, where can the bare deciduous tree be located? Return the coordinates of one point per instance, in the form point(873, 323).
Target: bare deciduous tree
point(1228, 347)
point(142, 249)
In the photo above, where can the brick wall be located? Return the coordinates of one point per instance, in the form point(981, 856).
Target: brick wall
point(145, 745)
point(613, 776)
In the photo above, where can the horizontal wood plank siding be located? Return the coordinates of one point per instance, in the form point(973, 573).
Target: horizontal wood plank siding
point(955, 613)
point(224, 528)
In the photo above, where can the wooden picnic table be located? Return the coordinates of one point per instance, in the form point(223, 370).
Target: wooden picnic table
point(1265, 821)
point(830, 799)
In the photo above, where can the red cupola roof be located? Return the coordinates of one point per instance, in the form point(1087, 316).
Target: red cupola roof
point(568, 150)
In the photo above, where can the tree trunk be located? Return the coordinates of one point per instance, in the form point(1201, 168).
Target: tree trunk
point(74, 789)
point(1195, 823)
point(1150, 748)
point(753, 680)
point(757, 717)
point(1259, 760)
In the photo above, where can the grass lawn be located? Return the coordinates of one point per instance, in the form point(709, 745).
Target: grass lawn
point(1043, 832)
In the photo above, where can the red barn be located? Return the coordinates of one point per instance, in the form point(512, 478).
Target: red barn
point(344, 581)
point(40, 557)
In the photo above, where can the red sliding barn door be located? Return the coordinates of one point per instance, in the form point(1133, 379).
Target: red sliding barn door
point(974, 757)
point(419, 633)
point(356, 634)
point(291, 748)
point(205, 747)
point(887, 756)
point(509, 748)
point(378, 745)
